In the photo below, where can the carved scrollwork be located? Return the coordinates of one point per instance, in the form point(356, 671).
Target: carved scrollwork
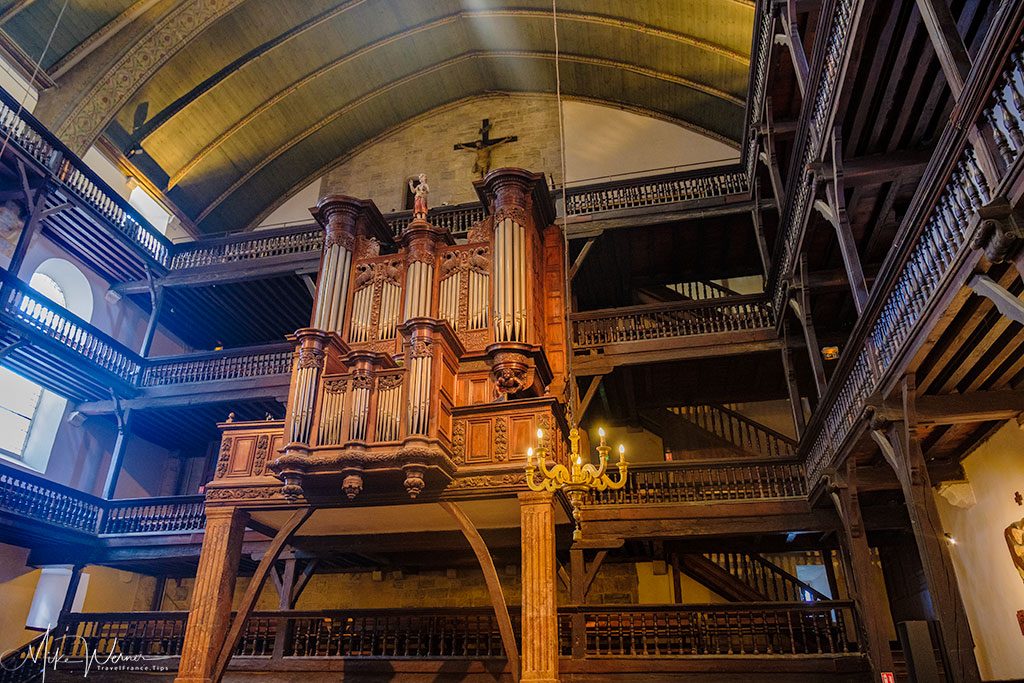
point(311, 358)
point(362, 380)
point(259, 464)
point(387, 382)
point(419, 252)
point(489, 481)
point(510, 380)
point(339, 238)
point(516, 213)
point(336, 386)
point(479, 231)
point(249, 493)
point(500, 439)
point(223, 458)
point(459, 442)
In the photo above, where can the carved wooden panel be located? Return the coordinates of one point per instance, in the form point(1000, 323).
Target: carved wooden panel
point(479, 440)
point(496, 437)
point(247, 452)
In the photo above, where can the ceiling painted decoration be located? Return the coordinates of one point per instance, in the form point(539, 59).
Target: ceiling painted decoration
point(226, 105)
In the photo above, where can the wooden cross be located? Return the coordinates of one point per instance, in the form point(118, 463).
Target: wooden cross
point(483, 147)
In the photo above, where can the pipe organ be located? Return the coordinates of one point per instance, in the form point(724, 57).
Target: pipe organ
point(427, 364)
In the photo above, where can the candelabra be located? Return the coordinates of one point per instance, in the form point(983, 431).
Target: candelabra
point(577, 479)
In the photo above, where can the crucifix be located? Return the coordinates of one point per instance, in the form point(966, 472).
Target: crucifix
point(483, 147)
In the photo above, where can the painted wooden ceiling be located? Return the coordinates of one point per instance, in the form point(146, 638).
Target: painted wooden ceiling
point(227, 105)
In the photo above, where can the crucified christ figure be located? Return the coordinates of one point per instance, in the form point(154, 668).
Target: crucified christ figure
point(483, 148)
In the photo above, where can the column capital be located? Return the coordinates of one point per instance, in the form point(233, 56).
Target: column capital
point(516, 190)
point(343, 215)
point(536, 498)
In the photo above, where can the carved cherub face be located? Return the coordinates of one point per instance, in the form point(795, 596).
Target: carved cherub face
point(423, 177)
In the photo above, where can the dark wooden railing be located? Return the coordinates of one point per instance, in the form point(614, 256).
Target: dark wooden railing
point(594, 329)
point(656, 190)
point(300, 239)
point(930, 251)
point(28, 495)
point(72, 173)
point(177, 514)
point(254, 361)
point(768, 628)
point(739, 430)
point(32, 310)
point(766, 577)
point(697, 482)
point(700, 290)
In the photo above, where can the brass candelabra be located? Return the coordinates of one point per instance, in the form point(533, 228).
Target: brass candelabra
point(578, 478)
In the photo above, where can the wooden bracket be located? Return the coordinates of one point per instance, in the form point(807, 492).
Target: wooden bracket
point(1005, 302)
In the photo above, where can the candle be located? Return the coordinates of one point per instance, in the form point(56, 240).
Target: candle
point(622, 453)
point(600, 433)
point(529, 456)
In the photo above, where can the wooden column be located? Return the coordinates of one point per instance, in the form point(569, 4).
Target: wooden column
point(210, 609)
point(35, 203)
point(835, 193)
point(863, 584)
point(902, 450)
point(124, 421)
point(540, 617)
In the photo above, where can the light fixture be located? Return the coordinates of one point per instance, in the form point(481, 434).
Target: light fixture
point(830, 352)
point(576, 479)
point(949, 539)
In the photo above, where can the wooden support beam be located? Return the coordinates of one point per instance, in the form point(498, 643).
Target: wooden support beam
point(876, 169)
point(795, 402)
point(938, 19)
point(771, 159)
point(835, 192)
point(867, 591)
point(483, 556)
point(252, 591)
point(762, 243)
point(303, 580)
point(801, 306)
point(35, 201)
point(595, 381)
point(902, 449)
point(978, 406)
point(56, 209)
point(796, 45)
point(581, 257)
point(1006, 303)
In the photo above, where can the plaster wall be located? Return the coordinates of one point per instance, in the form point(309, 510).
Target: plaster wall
point(992, 589)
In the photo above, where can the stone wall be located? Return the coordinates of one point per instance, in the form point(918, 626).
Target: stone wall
point(379, 171)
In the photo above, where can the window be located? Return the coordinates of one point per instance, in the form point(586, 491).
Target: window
point(19, 397)
point(29, 415)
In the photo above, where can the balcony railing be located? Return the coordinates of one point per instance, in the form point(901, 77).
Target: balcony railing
point(72, 174)
point(712, 481)
point(212, 366)
point(30, 309)
point(768, 628)
point(27, 495)
point(738, 430)
point(457, 219)
point(248, 246)
point(593, 329)
point(931, 248)
point(656, 190)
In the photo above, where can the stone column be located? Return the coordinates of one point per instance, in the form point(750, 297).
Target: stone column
point(540, 616)
point(210, 609)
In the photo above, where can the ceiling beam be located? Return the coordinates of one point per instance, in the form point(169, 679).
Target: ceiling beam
point(883, 168)
point(99, 38)
point(978, 406)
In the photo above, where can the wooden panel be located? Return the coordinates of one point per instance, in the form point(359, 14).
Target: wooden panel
point(522, 435)
point(243, 450)
point(479, 441)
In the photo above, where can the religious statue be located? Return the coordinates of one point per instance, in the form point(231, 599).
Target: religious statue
point(420, 189)
point(1014, 535)
point(483, 148)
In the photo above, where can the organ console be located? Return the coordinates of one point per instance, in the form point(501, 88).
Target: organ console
point(427, 363)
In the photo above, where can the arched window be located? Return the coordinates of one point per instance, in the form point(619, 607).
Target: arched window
point(30, 415)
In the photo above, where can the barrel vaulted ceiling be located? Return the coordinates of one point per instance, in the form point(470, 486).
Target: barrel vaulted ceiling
point(228, 105)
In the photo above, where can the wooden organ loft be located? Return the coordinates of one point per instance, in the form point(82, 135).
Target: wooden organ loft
point(424, 360)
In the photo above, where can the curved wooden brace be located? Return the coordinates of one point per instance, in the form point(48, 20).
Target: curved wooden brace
point(483, 556)
point(252, 592)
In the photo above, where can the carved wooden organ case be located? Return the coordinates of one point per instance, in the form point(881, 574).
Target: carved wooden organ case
point(427, 364)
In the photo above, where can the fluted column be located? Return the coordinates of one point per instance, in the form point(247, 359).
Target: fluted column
point(210, 608)
point(539, 610)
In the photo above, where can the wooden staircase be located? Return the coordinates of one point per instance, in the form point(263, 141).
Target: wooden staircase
point(744, 434)
point(747, 577)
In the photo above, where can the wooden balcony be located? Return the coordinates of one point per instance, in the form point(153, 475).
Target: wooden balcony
point(936, 251)
point(785, 639)
point(651, 333)
point(88, 217)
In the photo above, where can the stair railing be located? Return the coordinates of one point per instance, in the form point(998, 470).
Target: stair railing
point(739, 430)
point(767, 578)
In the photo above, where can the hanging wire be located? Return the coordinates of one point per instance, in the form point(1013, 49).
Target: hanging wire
point(571, 378)
point(35, 72)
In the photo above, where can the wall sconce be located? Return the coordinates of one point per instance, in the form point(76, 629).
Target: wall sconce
point(830, 352)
